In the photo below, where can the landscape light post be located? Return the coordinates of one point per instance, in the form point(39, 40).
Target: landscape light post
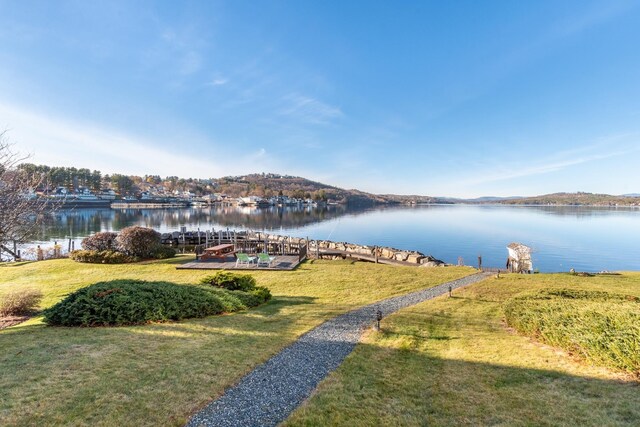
point(378, 319)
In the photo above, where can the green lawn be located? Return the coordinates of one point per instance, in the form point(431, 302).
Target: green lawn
point(453, 361)
point(160, 374)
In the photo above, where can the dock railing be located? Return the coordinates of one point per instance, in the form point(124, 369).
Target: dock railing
point(302, 254)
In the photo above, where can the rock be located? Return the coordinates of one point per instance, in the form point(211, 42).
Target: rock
point(415, 258)
point(402, 256)
point(430, 264)
point(386, 253)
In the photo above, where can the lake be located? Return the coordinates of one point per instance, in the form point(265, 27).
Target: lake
point(562, 237)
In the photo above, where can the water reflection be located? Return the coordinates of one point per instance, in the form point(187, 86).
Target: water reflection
point(76, 223)
point(576, 211)
point(563, 237)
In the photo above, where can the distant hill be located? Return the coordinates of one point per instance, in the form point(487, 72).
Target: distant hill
point(575, 199)
point(477, 200)
point(268, 185)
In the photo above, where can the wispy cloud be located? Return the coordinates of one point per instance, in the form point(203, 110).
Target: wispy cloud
point(604, 148)
point(178, 50)
point(66, 142)
point(593, 15)
point(309, 110)
point(218, 81)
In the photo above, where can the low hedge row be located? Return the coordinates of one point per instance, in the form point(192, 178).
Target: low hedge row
point(132, 302)
point(600, 327)
point(131, 244)
point(100, 257)
point(116, 257)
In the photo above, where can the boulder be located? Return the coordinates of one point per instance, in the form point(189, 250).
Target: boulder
point(430, 264)
point(402, 256)
point(415, 258)
point(386, 253)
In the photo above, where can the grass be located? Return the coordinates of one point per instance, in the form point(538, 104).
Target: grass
point(600, 327)
point(160, 374)
point(453, 361)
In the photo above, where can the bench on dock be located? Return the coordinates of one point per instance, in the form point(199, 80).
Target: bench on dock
point(218, 252)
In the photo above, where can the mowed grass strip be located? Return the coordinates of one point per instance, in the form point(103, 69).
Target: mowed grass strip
point(453, 361)
point(159, 374)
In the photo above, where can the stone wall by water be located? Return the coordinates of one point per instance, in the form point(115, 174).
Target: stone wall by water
point(413, 257)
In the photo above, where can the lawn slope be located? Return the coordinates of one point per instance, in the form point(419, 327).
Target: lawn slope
point(453, 361)
point(159, 374)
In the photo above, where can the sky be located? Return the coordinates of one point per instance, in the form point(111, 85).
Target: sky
point(441, 98)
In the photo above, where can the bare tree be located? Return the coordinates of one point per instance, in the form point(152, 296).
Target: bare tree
point(21, 211)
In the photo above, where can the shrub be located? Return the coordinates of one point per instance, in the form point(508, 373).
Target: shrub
point(20, 303)
point(131, 302)
point(230, 281)
point(100, 257)
point(254, 297)
point(164, 252)
point(102, 241)
point(600, 327)
point(140, 242)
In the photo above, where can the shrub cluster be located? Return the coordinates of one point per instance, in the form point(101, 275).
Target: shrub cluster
point(102, 241)
point(131, 244)
point(131, 302)
point(230, 281)
point(20, 303)
point(100, 257)
point(140, 242)
point(601, 327)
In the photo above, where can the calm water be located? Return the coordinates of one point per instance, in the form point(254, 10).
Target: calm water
point(587, 239)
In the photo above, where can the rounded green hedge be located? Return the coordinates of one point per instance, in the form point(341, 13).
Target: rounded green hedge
point(230, 281)
point(132, 302)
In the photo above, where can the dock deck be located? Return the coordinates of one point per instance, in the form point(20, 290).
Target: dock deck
point(281, 263)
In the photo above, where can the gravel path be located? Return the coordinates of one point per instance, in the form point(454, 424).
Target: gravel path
point(268, 394)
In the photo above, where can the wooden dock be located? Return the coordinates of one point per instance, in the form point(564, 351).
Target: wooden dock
point(281, 263)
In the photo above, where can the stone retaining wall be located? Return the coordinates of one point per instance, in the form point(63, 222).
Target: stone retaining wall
point(413, 257)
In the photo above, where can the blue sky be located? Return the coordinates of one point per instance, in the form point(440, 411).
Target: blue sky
point(460, 98)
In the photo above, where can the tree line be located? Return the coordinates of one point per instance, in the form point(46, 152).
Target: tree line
point(260, 185)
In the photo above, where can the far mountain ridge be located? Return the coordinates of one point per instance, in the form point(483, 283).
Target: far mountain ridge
point(576, 199)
